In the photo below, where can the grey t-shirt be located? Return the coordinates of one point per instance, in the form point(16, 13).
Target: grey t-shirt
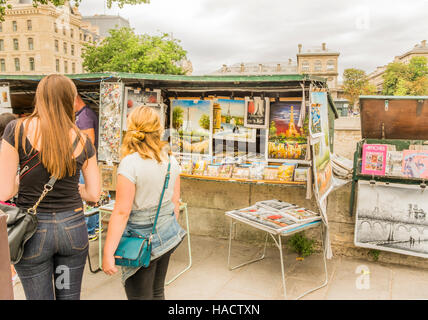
point(148, 176)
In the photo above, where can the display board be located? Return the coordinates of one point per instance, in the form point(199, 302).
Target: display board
point(110, 121)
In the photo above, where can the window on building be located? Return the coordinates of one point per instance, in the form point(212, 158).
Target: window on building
point(1, 45)
point(14, 26)
point(330, 65)
point(15, 44)
point(65, 67)
point(56, 45)
point(65, 47)
point(30, 44)
point(305, 66)
point(318, 65)
point(17, 64)
point(72, 49)
point(1, 27)
point(57, 65)
point(29, 25)
point(63, 28)
point(2, 65)
point(73, 67)
point(55, 27)
point(32, 65)
point(72, 33)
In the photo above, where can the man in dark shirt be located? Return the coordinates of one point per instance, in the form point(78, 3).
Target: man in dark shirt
point(87, 122)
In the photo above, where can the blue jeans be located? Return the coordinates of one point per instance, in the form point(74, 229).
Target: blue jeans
point(54, 258)
point(93, 221)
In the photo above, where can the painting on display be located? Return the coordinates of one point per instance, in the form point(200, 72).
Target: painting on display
point(318, 123)
point(191, 126)
point(228, 122)
point(393, 218)
point(415, 163)
point(286, 140)
point(135, 98)
point(256, 112)
point(5, 97)
point(110, 121)
point(323, 170)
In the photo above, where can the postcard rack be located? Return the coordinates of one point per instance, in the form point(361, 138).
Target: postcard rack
point(399, 122)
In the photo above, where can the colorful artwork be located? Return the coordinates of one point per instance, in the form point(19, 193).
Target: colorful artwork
point(286, 140)
point(301, 174)
point(318, 113)
point(415, 164)
point(374, 159)
point(256, 112)
point(108, 177)
point(322, 168)
point(191, 126)
point(285, 172)
point(135, 98)
point(228, 121)
point(110, 118)
point(393, 218)
point(5, 97)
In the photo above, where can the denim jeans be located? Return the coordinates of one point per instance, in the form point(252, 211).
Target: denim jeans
point(54, 258)
point(93, 221)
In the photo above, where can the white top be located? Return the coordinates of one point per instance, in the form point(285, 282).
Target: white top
point(148, 176)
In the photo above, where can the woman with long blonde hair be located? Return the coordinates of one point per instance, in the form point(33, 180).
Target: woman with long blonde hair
point(47, 144)
point(140, 181)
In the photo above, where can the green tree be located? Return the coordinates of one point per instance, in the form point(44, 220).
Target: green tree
point(204, 122)
point(177, 117)
point(57, 3)
point(124, 51)
point(272, 129)
point(406, 79)
point(355, 83)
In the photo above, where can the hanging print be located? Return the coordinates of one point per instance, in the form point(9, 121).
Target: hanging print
point(256, 112)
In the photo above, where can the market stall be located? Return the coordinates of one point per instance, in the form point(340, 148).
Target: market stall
point(390, 174)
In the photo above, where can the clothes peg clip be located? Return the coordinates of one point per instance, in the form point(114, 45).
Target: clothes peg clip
point(423, 185)
point(372, 181)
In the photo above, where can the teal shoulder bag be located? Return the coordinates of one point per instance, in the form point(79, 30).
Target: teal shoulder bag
point(134, 249)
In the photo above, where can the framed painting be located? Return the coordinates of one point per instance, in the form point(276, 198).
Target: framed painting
point(228, 122)
point(392, 218)
point(191, 127)
point(318, 114)
point(286, 140)
point(323, 170)
point(137, 97)
point(108, 176)
point(256, 113)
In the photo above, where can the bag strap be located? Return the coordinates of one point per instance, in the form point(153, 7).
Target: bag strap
point(165, 186)
point(49, 185)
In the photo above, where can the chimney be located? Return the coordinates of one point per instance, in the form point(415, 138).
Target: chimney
point(224, 68)
point(290, 61)
point(242, 67)
point(300, 47)
point(278, 67)
point(323, 46)
point(260, 67)
point(424, 43)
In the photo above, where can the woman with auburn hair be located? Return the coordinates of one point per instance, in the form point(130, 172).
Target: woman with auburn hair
point(47, 144)
point(140, 182)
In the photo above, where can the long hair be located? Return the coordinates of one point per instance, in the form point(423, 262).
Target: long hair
point(144, 135)
point(54, 110)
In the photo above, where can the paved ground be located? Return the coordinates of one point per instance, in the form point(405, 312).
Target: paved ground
point(210, 279)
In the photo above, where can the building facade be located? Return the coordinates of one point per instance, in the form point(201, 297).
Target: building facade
point(41, 40)
point(106, 22)
point(419, 50)
point(318, 61)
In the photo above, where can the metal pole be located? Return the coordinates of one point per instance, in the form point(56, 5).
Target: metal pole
point(6, 289)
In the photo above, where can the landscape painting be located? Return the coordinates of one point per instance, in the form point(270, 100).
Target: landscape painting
point(393, 218)
point(229, 121)
point(286, 139)
point(322, 168)
point(191, 126)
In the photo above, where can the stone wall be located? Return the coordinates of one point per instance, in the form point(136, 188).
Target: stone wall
point(209, 200)
point(347, 132)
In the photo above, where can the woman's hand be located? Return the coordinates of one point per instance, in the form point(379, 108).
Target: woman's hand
point(109, 266)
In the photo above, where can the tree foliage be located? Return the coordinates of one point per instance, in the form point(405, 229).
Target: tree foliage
point(355, 84)
point(124, 51)
point(57, 3)
point(406, 79)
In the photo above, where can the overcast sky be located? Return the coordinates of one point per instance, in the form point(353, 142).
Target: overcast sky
point(367, 33)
